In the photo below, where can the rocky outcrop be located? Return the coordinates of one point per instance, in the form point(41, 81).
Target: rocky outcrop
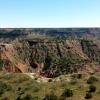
point(10, 59)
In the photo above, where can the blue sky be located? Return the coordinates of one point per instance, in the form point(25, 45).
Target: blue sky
point(49, 13)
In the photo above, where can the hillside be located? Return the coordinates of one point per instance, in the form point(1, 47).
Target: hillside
point(15, 86)
point(50, 52)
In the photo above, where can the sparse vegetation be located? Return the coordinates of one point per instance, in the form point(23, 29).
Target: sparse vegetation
point(22, 87)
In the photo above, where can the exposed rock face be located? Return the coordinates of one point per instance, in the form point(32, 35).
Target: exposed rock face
point(10, 59)
point(51, 57)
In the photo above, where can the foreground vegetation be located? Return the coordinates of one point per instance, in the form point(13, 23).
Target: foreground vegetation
point(72, 87)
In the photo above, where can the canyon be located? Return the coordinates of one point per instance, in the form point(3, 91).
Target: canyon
point(50, 52)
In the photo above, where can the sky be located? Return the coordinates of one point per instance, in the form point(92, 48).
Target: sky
point(49, 13)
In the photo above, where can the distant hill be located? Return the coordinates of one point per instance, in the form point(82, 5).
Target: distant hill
point(50, 31)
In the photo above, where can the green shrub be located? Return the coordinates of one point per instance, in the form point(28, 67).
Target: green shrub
point(68, 93)
point(35, 78)
point(91, 80)
point(88, 95)
point(92, 88)
point(50, 80)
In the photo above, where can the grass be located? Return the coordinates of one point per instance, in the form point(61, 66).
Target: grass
point(22, 85)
